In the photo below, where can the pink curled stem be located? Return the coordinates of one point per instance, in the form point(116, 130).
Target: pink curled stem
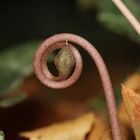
point(103, 72)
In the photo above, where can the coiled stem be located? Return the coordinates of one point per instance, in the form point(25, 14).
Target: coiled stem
point(43, 74)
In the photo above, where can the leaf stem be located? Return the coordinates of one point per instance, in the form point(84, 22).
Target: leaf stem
point(47, 78)
point(128, 15)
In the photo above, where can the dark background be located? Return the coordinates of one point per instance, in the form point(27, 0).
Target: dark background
point(36, 20)
point(23, 21)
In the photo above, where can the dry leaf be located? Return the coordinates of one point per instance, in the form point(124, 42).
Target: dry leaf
point(124, 125)
point(133, 82)
point(132, 104)
point(76, 129)
point(106, 134)
point(97, 129)
point(123, 116)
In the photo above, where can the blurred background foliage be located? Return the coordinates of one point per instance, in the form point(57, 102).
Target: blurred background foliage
point(111, 18)
point(25, 24)
point(16, 64)
point(30, 22)
point(1, 135)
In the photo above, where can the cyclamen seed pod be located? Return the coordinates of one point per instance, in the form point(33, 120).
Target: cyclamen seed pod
point(43, 74)
point(64, 62)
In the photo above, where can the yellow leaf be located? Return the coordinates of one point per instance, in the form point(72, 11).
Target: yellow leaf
point(76, 129)
point(97, 130)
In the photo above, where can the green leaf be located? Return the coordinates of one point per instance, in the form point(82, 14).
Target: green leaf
point(16, 64)
point(86, 4)
point(8, 102)
point(97, 104)
point(2, 135)
point(112, 18)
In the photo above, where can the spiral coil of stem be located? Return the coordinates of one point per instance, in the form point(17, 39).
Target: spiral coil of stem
point(43, 74)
